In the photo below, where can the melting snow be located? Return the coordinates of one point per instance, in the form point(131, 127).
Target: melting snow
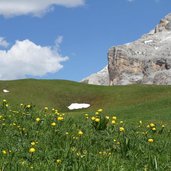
point(78, 106)
point(6, 91)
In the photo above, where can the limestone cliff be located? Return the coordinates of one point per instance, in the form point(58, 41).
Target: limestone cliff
point(144, 61)
point(99, 78)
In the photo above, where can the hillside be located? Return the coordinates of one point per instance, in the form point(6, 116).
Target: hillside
point(133, 101)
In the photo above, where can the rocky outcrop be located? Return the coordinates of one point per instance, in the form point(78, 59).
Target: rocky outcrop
point(99, 78)
point(144, 61)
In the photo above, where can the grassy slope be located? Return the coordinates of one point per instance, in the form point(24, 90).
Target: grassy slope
point(134, 101)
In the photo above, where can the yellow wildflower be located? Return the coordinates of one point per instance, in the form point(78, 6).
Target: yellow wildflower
point(97, 120)
point(32, 150)
point(33, 143)
point(93, 118)
point(5, 101)
point(37, 119)
point(150, 140)
point(60, 118)
point(114, 117)
point(107, 117)
point(99, 110)
point(152, 125)
point(80, 133)
point(86, 115)
point(58, 161)
point(4, 152)
point(28, 106)
point(121, 129)
point(53, 124)
point(113, 121)
point(46, 108)
point(154, 129)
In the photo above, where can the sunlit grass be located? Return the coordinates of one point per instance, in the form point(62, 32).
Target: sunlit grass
point(47, 139)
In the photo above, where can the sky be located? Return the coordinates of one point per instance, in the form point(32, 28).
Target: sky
point(69, 39)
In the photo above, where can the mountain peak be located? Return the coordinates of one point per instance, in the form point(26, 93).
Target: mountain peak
point(144, 61)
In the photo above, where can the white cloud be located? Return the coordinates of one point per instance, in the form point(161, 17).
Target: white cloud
point(3, 42)
point(9, 8)
point(26, 58)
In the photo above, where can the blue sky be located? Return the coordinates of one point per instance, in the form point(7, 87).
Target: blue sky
point(69, 39)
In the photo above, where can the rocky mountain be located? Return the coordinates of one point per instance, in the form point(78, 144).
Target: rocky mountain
point(144, 61)
point(99, 78)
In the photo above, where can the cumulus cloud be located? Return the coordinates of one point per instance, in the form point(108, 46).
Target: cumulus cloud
point(9, 8)
point(3, 42)
point(27, 58)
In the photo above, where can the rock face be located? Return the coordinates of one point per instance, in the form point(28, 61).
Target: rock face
point(99, 78)
point(145, 61)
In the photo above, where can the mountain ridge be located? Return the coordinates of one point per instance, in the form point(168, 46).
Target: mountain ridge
point(143, 61)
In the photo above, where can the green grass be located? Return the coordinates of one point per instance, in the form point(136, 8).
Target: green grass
point(102, 147)
point(148, 102)
point(80, 143)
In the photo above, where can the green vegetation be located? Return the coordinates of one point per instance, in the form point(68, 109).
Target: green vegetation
point(50, 140)
point(147, 102)
point(126, 128)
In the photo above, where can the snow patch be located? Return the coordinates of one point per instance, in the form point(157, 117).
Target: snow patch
point(78, 106)
point(148, 41)
point(6, 91)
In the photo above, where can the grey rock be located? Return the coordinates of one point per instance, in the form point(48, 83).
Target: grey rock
point(99, 78)
point(144, 61)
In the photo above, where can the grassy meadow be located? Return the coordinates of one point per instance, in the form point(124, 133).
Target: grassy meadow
point(126, 128)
